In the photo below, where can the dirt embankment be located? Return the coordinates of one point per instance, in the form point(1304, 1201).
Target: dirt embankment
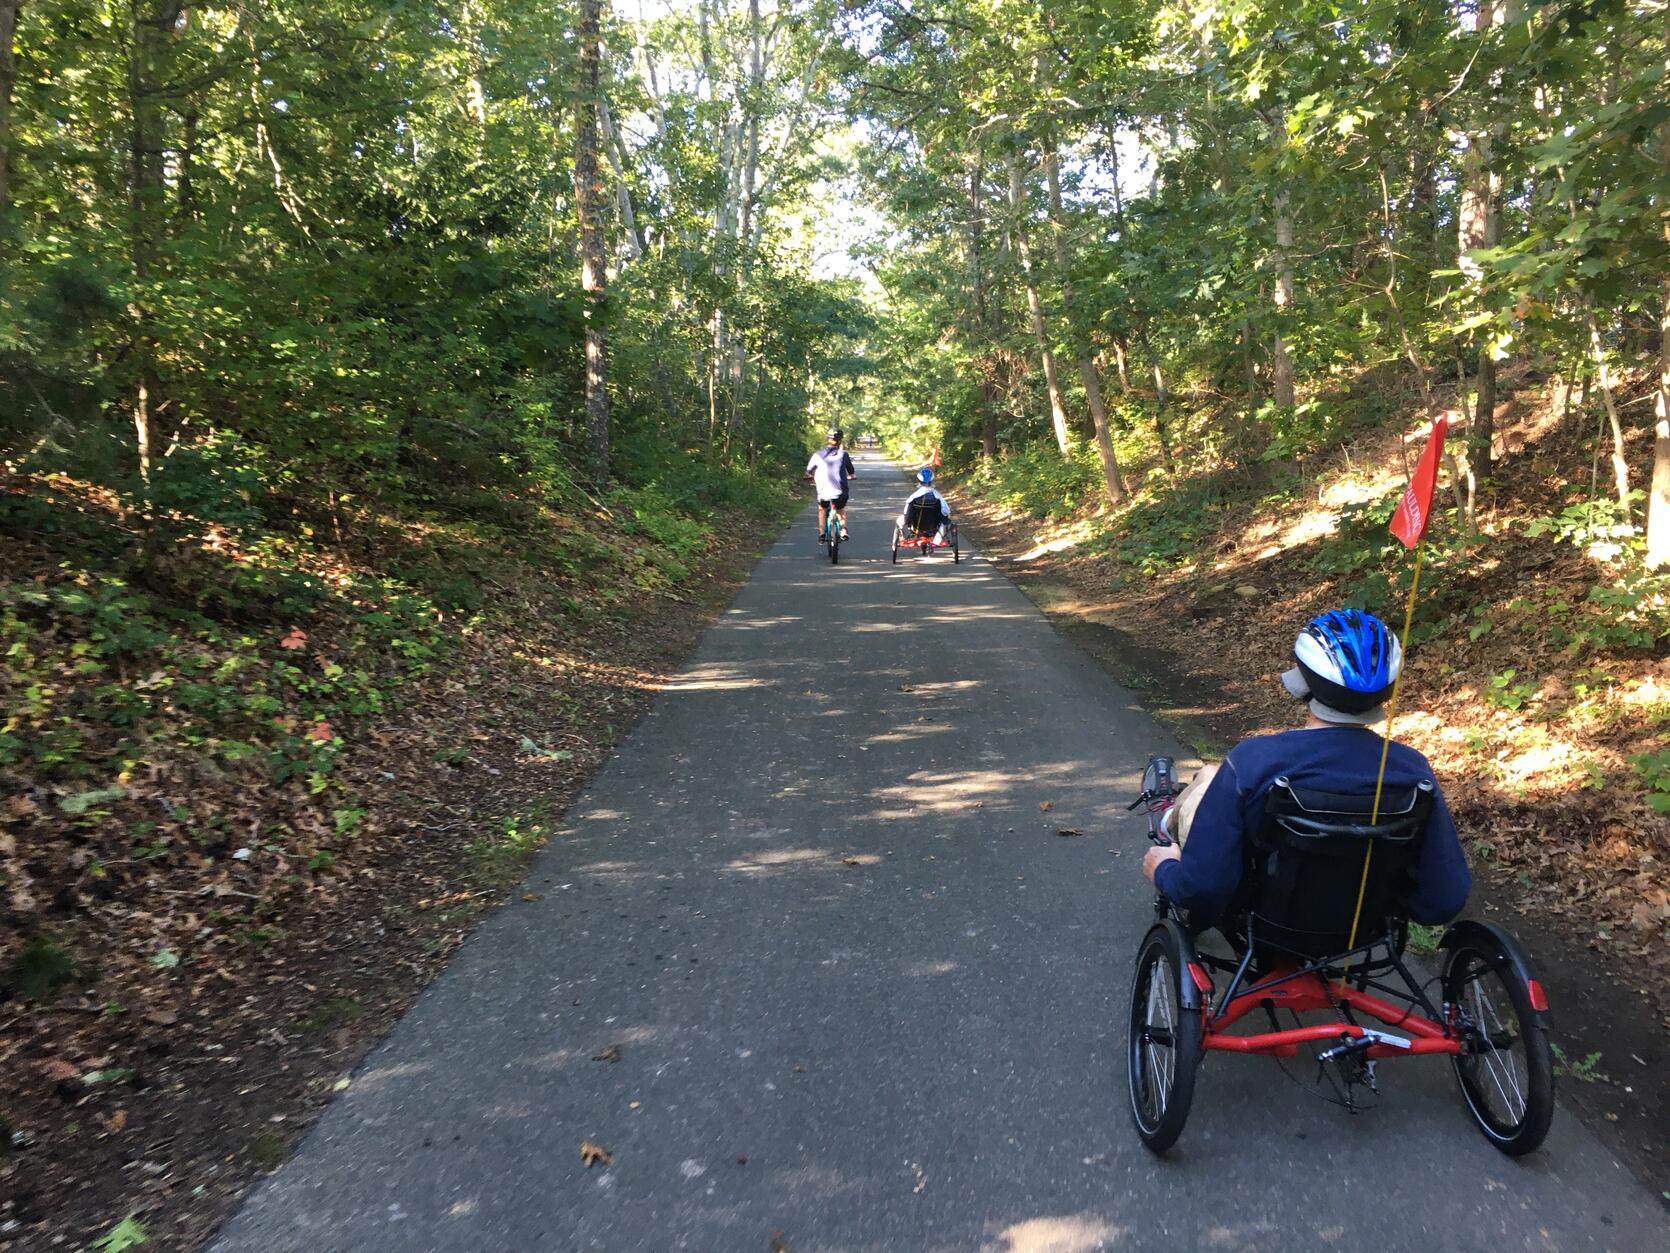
point(221, 981)
point(1578, 869)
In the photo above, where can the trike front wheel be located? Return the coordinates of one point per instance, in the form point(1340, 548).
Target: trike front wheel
point(1506, 1067)
point(1163, 1042)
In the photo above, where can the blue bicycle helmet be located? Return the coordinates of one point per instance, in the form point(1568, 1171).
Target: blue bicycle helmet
point(924, 476)
point(1348, 662)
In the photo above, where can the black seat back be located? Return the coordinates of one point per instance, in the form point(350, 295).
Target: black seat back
point(1307, 865)
point(923, 516)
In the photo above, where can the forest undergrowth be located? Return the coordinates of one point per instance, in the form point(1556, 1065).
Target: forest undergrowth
point(259, 783)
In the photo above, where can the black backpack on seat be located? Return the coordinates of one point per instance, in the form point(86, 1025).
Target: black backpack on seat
point(1305, 866)
point(923, 516)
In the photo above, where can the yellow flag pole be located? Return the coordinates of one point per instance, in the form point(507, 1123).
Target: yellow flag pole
point(1385, 749)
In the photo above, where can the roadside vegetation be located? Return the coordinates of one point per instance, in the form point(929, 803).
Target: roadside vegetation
point(1185, 284)
point(388, 395)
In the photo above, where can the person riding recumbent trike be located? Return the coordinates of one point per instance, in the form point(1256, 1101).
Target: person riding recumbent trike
point(925, 523)
point(1292, 951)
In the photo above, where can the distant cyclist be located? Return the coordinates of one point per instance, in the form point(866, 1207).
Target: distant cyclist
point(832, 470)
point(923, 504)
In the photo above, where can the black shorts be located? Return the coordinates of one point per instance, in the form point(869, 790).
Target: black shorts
point(840, 502)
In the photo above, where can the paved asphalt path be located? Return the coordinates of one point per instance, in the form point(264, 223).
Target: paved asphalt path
point(864, 994)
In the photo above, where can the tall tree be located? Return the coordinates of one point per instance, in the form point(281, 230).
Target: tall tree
point(9, 13)
point(588, 204)
point(1018, 214)
point(1112, 480)
point(1658, 500)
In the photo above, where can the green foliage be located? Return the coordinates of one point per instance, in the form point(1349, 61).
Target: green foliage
point(1423, 940)
point(1600, 526)
point(1653, 769)
point(130, 1233)
point(1037, 480)
point(1502, 692)
point(1585, 1070)
point(498, 855)
point(42, 969)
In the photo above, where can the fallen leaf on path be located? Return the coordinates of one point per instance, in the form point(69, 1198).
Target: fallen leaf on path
point(530, 896)
point(777, 1244)
point(610, 1054)
point(58, 1070)
point(1068, 831)
point(296, 639)
point(850, 861)
point(116, 1121)
point(593, 1154)
point(1046, 806)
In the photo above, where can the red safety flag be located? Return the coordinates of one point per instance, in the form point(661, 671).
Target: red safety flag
point(936, 456)
point(1415, 510)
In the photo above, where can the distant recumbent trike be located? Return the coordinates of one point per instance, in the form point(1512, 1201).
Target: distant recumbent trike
point(1292, 952)
point(925, 528)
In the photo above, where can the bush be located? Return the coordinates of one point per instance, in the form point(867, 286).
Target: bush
point(219, 480)
point(1040, 481)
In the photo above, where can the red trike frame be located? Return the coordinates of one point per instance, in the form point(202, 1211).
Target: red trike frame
point(1300, 991)
point(922, 542)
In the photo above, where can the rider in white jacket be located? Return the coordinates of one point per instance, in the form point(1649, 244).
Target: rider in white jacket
point(925, 477)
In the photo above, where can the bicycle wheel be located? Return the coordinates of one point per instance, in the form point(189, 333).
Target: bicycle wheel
point(834, 545)
point(895, 545)
point(956, 552)
point(1163, 1042)
point(1506, 1067)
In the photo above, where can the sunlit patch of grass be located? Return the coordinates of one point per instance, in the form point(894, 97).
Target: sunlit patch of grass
point(498, 855)
point(1423, 940)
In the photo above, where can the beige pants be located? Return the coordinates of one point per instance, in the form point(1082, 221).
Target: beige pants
point(1188, 800)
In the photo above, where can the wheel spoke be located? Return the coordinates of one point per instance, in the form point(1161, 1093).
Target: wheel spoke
point(1500, 1063)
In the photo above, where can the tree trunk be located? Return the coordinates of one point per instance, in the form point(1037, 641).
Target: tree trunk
point(1035, 308)
point(9, 10)
point(1161, 397)
point(615, 151)
point(1620, 466)
point(982, 310)
point(1658, 500)
point(588, 204)
point(475, 95)
point(147, 32)
point(1479, 225)
point(1111, 477)
point(1281, 364)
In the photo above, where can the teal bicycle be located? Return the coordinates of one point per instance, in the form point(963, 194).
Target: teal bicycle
point(831, 537)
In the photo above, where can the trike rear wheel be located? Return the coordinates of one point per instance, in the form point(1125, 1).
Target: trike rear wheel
point(1163, 1042)
point(1506, 1067)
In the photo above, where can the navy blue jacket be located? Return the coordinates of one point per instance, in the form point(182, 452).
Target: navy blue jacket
point(1341, 760)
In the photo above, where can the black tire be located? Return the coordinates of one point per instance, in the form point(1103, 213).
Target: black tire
point(1163, 1042)
point(895, 545)
point(834, 547)
point(1506, 1071)
point(956, 552)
